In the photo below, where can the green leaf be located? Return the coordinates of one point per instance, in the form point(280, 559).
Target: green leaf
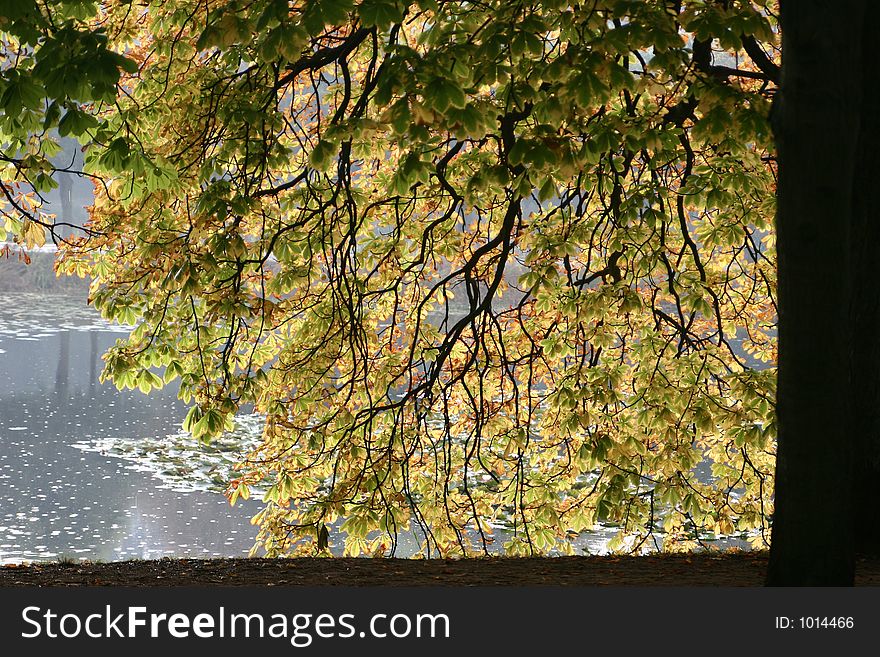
point(291, 41)
point(381, 13)
point(125, 63)
point(43, 182)
point(323, 155)
point(192, 418)
point(442, 93)
point(548, 190)
point(76, 122)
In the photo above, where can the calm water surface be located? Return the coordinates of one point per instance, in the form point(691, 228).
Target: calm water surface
point(64, 490)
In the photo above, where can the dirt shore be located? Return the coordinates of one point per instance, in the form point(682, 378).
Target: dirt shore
point(707, 569)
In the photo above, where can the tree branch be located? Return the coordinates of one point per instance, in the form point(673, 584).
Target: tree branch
point(760, 58)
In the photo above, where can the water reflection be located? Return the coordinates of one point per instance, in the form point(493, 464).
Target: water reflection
point(61, 374)
point(58, 500)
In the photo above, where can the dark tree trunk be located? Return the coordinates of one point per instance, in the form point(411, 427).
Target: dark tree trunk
point(817, 125)
point(865, 306)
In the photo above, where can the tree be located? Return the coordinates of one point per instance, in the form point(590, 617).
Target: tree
point(478, 264)
point(57, 71)
point(828, 421)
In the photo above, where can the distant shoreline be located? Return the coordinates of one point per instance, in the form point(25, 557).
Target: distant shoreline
point(16, 275)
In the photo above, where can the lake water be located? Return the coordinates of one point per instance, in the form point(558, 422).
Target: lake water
point(63, 492)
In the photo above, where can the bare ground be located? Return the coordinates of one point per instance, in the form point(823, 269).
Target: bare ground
point(703, 569)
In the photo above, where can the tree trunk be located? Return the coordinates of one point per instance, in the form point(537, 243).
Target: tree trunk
point(865, 306)
point(817, 125)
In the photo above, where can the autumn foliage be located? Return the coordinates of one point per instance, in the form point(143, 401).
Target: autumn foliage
point(479, 265)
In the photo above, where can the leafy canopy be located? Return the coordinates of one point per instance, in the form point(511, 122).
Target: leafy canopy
point(56, 71)
point(478, 264)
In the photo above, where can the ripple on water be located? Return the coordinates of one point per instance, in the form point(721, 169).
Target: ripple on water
point(61, 501)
